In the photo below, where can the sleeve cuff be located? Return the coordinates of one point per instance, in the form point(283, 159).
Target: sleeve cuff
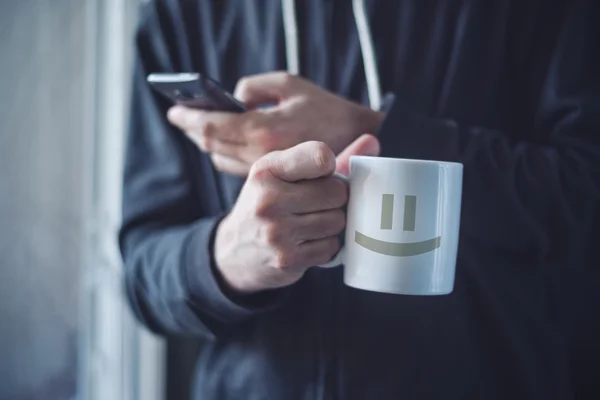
point(206, 290)
point(405, 133)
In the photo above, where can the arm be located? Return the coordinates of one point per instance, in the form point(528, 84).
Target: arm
point(167, 232)
point(530, 201)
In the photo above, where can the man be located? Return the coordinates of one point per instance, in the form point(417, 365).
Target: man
point(509, 89)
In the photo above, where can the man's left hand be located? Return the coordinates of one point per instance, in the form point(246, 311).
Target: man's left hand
point(301, 112)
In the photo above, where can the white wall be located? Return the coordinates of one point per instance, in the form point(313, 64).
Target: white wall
point(64, 324)
point(41, 133)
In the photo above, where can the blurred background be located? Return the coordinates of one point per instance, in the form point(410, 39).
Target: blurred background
point(65, 329)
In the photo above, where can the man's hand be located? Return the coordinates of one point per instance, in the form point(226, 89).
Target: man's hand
point(302, 112)
point(287, 217)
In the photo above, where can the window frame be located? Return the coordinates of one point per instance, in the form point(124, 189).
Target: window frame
point(119, 359)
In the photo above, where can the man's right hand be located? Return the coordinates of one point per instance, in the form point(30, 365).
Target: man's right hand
point(287, 216)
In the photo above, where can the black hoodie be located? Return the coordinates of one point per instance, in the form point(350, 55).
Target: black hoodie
point(509, 88)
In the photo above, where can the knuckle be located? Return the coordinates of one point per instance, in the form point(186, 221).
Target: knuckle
point(201, 134)
point(263, 168)
point(338, 220)
point(197, 119)
point(259, 174)
point(263, 132)
point(274, 234)
point(242, 86)
point(323, 157)
point(266, 203)
point(339, 193)
point(205, 128)
point(285, 77)
point(284, 258)
point(265, 139)
point(260, 170)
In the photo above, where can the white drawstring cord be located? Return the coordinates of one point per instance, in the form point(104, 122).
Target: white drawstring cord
point(368, 54)
point(290, 27)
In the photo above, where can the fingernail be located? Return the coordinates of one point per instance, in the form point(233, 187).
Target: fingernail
point(374, 146)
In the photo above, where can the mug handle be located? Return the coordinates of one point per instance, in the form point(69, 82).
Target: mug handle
point(337, 260)
point(340, 257)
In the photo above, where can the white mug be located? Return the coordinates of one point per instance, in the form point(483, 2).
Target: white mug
point(402, 225)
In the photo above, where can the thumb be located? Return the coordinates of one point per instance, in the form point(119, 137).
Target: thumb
point(366, 145)
point(263, 89)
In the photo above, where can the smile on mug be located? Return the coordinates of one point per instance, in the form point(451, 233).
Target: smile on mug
point(393, 248)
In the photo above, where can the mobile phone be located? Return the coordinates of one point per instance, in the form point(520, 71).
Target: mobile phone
point(195, 90)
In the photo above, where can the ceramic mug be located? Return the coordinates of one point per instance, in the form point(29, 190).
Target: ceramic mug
point(402, 225)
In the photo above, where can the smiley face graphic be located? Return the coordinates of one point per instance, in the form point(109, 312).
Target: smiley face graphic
point(393, 248)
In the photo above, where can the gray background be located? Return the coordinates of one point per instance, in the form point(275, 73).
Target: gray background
point(41, 125)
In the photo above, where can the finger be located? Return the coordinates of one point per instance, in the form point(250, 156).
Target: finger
point(270, 87)
point(314, 195)
point(308, 160)
point(187, 118)
point(230, 165)
point(318, 252)
point(229, 127)
point(247, 153)
point(365, 145)
point(209, 144)
point(199, 122)
point(318, 225)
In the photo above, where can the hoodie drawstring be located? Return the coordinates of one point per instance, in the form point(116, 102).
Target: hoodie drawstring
point(290, 27)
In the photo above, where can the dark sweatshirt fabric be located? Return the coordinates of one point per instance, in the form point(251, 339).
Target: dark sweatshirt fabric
point(509, 88)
